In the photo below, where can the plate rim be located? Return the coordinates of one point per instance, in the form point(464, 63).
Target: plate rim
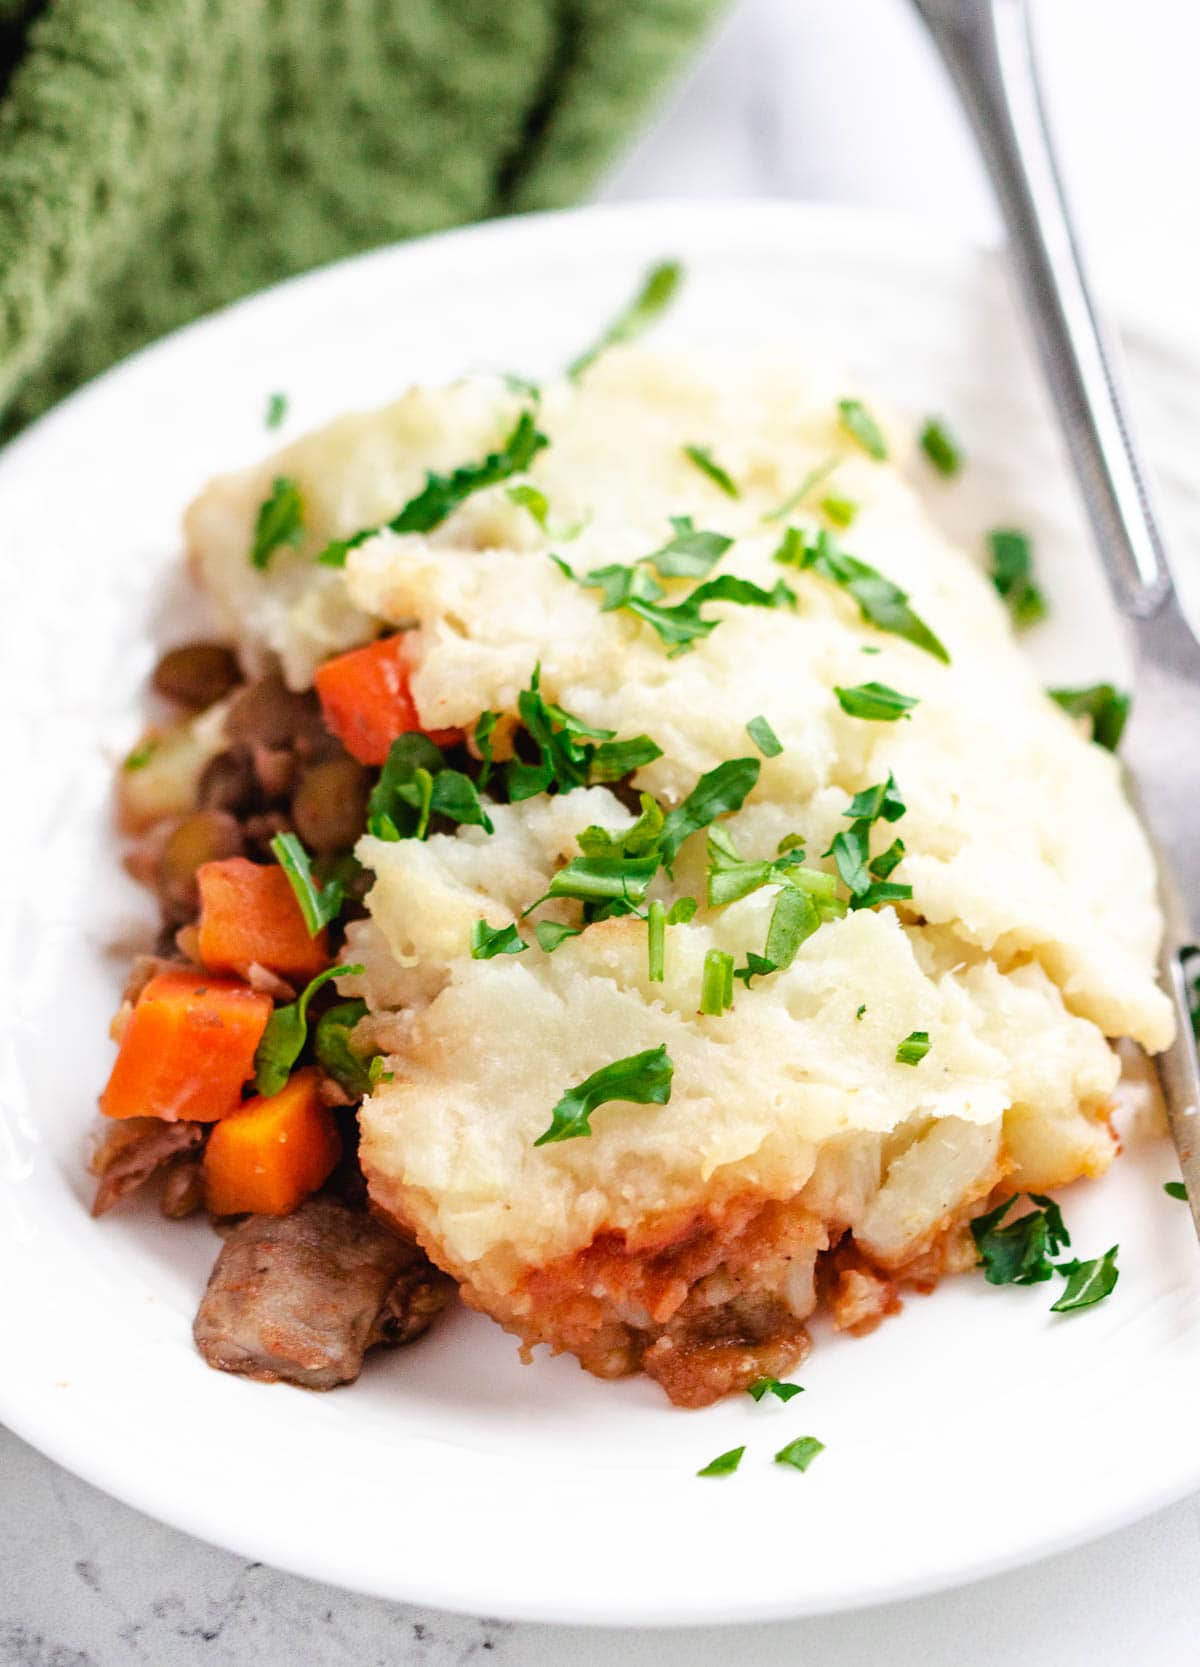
point(887, 235)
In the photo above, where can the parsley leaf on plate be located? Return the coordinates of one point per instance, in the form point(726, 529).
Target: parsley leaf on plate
point(1087, 1282)
point(880, 602)
point(801, 1452)
point(772, 1386)
point(280, 521)
point(657, 291)
point(841, 511)
point(336, 1057)
point(724, 1464)
point(415, 785)
point(551, 933)
point(282, 1042)
point(643, 1078)
point(277, 405)
point(719, 792)
point(1019, 1254)
point(1176, 1189)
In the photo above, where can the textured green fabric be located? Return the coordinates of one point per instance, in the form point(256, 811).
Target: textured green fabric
point(160, 157)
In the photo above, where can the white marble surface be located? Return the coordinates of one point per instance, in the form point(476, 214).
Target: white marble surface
point(831, 99)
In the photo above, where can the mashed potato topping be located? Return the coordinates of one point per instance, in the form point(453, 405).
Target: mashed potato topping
point(1029, 940)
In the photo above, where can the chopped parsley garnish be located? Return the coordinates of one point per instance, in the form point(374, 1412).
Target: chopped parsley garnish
point(318, 904)
point(719, 792)
point(567, 757)
point(1087, 1282)
point(841, 511)
point(604, 879)
point(657, 291)
point(880, 602)
point(280, 521)
point(861, 426)
point(724, 1464)
point(941, 448)
point(795, 917)
point(1020, 1253)
point(1107, 708)
point(643, 1078)
point(658, 918)
point(811, 481)
point(531, 498)
point(1012, 575)
point(1176, 1189)
point(551, 933)
point(801, 1452)
point(442, 494)
point(860, 1011)
point(866, 878)
point(913, 1048)
point(414, 786)
point(716, 985)
point(331, 1044)
point(764, 737)
point(691, 553)
point(772, 1386)
point(488, 941)
point(708, 465)
point(140, 756)
point(875, 701)
point(277, 406)
point(282, 1042)
point(485, 726)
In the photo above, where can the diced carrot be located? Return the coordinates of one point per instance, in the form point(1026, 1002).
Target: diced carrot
point(187, 1049)
point(267, 1156)
point(367, 701)
point(248, 914)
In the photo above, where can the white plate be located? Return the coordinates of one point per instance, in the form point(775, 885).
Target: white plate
point(974, 1432)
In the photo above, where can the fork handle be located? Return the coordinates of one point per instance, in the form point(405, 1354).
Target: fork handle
point(987, 47)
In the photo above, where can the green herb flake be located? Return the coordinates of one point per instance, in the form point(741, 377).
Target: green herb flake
point(282, 1042)
point(842, 512)
point(318, 904)
point(613, 760)
point(719, 792)
point(708, 465)
point(655, 295)
point(1087, 1282)
point(1105, 706)
point(811, 481)
point(716, 986)
point(861, 1011)
point(336, 1057)
point(880, 602)
point(414, 786)
point(941, 448)
point(1012, 574)
point(764, 737)
point(691, 553)
point(488, 941)
point(551, 933)
point(443, 494)
point(801, 1452)
point(875, 701)
point(277, 405)
point(724, 1464)
point(530, 498)
point(140, 755)
point(485, 728)
point(643, 1079)
point(913, 1048)
point(656, 942)
point(280, 521)
point(772, 1386)
point(1019, 1254)
point(861, 426)
point(1176, 1189)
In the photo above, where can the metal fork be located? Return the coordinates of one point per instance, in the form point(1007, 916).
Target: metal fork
point(986, 46)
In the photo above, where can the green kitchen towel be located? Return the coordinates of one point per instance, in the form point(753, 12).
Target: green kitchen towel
point(160, 157)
